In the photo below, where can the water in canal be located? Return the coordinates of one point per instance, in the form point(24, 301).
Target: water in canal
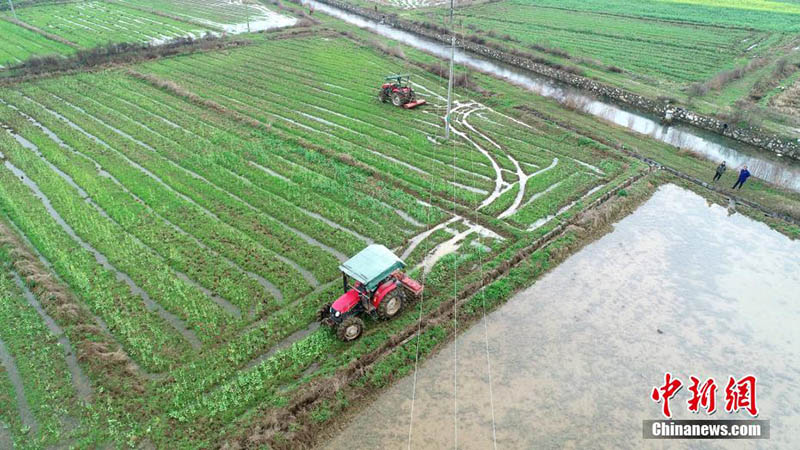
point(762, 164)
point(680, 285)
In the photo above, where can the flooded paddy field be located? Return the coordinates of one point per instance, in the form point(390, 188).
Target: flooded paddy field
point(680, 285)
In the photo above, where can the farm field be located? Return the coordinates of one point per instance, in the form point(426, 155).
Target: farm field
point(231, 16)
point(169, 230)
point(718, 59)
point(93, 23)
point(19, 44)
point(201, 219)
point(88, 24)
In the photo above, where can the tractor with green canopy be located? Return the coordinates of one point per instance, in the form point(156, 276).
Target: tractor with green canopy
point(374, 284)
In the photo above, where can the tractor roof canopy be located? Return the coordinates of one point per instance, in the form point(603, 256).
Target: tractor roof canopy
point(371, 265)
point(398, 78)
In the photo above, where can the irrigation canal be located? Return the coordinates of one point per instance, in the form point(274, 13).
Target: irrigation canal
point(680, 285)
point(780, 171)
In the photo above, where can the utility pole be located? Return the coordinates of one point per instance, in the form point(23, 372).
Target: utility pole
point(11, 4)
point(450, 78)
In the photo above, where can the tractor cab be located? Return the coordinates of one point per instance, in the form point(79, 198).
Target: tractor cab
point(396, 88)
point(373, 283)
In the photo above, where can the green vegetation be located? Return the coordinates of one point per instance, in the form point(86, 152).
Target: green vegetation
point(93, 23)
point(19, 44)
point(196, 208)
point(716, 57)
point(39, 360)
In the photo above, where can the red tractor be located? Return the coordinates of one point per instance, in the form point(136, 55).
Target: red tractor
point(373, 284)
point(399, 92)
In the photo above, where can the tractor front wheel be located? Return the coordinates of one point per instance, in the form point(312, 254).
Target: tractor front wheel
point(397, 99)
point(382, 96)
point(391, 304)
point(323, 312)
point(350, 329)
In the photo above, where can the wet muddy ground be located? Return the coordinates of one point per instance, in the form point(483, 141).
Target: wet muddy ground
point(680, 286)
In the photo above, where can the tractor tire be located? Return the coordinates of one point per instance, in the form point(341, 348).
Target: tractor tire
point(392, 304)
point(323, 312)
point(382, 96)
point(350, 329)
point(397, 99)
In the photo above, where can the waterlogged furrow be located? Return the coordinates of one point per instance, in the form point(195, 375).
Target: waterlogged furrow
point(218, 164)
point(108, 240)
point(333, 138)
point(142, 225)
point(21, 410)
point(144, 334)
point(80, 381)
point(49, 396)
point(162, 174)
point(216, 272)
point(170, 204)
point(278, 97)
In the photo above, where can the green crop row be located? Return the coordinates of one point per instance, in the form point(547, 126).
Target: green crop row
point(550, 203)
point(178, 249)
point(149, 271)
point(127, 152)
point(93, 23)
point(193, 164)
point(336, 98)
point(218, 11)
point(349, 131)
point(191, 218)
point(144, 335)
point(234, 99)
point(503, 202)
point(303, 167)
point(39, 359)
point(19, 44)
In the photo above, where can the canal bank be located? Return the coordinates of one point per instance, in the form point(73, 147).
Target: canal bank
point(661, 109)
point(782, 171)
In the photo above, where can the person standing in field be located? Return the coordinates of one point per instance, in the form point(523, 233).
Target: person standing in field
point(744, 174)
point(720, 170)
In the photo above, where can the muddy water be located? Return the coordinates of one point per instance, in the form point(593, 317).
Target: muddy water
point(679, 286)
point(776, 170)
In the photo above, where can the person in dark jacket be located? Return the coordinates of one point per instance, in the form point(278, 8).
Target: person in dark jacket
point(720, 170)
point(744, 174)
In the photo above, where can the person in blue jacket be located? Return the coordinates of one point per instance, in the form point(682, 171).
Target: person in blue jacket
point(744, 174)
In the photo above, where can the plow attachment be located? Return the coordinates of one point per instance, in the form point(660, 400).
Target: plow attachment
point(414, 104)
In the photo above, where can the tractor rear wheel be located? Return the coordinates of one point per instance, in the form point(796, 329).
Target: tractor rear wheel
point(392, 304)
point(350, 329)
point(397, 99)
